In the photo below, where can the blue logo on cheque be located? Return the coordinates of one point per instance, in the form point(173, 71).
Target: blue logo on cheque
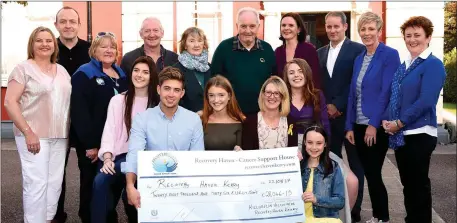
point(164, 163)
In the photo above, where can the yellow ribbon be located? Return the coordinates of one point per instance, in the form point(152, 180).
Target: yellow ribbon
point(291, 126)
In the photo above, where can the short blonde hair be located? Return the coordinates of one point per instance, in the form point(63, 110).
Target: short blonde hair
point(368, 17)
point(191, 31)
point(284, 107)
point(32, 39)
point(98, 41)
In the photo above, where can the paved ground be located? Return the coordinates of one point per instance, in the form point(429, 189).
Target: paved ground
point(443, 178)
point(442, 173)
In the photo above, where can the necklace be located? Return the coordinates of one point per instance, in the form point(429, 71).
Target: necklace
point(47, 70)
point(115, 81)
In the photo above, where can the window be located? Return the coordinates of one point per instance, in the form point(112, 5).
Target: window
point(214, 18)
point(133, 14)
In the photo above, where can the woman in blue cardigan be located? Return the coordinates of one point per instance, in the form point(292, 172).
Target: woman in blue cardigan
point(369, 96)
point(412, 113)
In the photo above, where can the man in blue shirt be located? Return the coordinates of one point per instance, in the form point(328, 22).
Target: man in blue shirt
point(166, 127)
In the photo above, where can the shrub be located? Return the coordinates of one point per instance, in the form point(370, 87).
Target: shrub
point(450, 86)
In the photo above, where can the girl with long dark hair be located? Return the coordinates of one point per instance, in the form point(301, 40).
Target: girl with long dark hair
point(110, 181)
point(322, 178)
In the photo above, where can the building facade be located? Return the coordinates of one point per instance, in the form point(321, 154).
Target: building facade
point(217, 19)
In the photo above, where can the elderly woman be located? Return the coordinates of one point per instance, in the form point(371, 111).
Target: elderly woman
point(38, 100)
point(368, 99)
point(94, 84)
point(193, 64)
point(271, 127)
point(412, 113)
point(293, 35)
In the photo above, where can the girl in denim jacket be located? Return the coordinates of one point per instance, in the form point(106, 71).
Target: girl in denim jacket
point(322, 179)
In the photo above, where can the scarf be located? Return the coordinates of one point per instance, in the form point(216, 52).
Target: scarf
point(191, 62)
point(398, 139)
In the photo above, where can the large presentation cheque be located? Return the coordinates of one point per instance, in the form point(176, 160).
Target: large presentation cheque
point(247, 186)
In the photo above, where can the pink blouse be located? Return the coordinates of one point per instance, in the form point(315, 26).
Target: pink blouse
point(45, 102)
point(114, 138)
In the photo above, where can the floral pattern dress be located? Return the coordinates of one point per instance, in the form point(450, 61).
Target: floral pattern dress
point(271, 138)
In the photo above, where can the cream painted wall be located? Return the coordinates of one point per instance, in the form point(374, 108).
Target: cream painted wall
point(14, 40)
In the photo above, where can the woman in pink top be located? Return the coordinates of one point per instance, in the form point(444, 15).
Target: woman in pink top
point(37, 101)
point(110, 181)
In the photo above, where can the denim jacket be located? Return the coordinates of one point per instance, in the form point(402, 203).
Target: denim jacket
point(329, 191)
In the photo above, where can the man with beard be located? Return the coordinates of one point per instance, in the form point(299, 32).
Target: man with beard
point(166, 127)
point(152, 33)
point(73, 52)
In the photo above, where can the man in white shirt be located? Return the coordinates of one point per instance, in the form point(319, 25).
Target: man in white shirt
point(336, 60)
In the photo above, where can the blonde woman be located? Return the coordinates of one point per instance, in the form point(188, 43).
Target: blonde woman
point(38, 100)
point(368, 99)
point(271, 127)
point(94, 84)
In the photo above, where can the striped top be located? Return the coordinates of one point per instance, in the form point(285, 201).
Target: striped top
point(362, 119)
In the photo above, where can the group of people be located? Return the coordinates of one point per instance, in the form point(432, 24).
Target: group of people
point(71, 93)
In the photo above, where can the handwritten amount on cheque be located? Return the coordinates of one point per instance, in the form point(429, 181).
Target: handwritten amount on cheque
point(225, 188)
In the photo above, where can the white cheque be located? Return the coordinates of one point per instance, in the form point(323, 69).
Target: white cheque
point(247, 186)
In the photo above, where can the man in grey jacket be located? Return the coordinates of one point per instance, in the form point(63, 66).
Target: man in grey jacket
point(152, 33)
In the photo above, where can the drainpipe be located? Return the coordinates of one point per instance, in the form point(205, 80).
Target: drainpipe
point(89, 21)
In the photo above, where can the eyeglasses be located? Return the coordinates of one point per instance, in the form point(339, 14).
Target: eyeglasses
point(269, 93)
point(102, 34)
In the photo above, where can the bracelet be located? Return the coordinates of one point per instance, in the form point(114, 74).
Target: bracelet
point(25, 130)
point(396, 123)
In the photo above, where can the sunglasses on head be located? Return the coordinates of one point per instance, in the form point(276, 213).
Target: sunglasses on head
point(102, 34)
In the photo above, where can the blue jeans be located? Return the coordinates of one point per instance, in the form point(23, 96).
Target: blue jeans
point(107, 190)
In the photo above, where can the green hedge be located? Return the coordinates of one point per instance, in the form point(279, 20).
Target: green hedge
point(450, 86)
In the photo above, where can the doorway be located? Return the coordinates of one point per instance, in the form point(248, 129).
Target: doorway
point(315, 26)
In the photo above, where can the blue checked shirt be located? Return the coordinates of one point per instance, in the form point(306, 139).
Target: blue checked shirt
point(153, 131)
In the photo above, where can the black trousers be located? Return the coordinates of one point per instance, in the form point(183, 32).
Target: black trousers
point(88, 171)
point(337, 139)
point(413, 161)
point(372, 159)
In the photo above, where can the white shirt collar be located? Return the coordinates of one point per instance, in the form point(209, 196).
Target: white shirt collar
point(424, 55)
point(338, 46)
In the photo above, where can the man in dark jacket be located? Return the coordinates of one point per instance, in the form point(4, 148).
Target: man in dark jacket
point(152, 33)
point(336, 61)
point(73, 52)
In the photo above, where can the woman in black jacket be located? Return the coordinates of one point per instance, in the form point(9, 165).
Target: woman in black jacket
point(193, 63)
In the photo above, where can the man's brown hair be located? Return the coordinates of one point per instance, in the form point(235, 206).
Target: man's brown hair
point(171, 73)
point(67, 8)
